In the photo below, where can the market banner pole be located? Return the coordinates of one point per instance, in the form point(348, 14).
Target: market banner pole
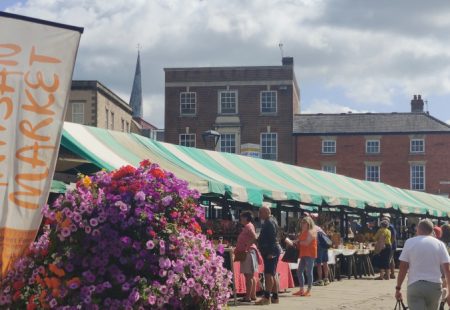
point(37, 58)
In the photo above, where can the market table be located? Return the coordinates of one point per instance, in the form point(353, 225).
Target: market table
point(283, 270)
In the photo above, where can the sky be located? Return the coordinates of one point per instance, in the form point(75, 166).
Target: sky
point(359, 56)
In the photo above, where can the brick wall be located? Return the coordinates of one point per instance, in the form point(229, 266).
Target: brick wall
point(395, 158)
point(252, 123)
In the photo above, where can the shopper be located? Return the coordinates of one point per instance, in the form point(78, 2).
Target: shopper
point(382, 259)
point(270, 250)
point(387, 217)
point(422, 258)
point(246, 244)
point(322, 258)
point(307, 244)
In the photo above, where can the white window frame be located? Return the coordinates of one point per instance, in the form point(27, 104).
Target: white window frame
point(225, 145)
point(76, 114)
point(412, 150)
point(186, 93)
point(325, 147)
point(263, 148)
point(329, 168)
point(368, 172)
point(261, 94)
point(236, 103)
point(368, 148)
point(412, 177)
point(185, 135)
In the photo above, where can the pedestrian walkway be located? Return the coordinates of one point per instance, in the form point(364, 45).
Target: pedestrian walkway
point(345, 294)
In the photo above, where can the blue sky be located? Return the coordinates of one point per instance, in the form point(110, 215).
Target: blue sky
point(349, 55)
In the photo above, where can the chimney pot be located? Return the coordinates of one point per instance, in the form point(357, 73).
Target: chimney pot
point(287, 61)
point(417, 104)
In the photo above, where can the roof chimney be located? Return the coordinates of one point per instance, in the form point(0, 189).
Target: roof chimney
point(417, 104)
point(287, 61)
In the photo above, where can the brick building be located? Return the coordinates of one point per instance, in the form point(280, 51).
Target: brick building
point(245, 105)
point(406, 150)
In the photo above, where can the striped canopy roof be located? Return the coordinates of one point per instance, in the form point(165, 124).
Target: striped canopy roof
point(245, 179)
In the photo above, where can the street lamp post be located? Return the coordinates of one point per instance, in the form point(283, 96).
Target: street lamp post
point(210, 134)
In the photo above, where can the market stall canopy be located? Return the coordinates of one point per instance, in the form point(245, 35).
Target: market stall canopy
point(245, 179)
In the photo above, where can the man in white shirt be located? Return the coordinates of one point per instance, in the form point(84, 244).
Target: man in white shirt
point(422, 257)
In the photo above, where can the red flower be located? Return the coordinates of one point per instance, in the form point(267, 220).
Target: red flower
point(123, 172)
point(209, 232)
point(31, 305)
point(18, 285)
point(174, 214)
point(17, 295)
point(152, 234)
point(157, 173)
point(145, 163)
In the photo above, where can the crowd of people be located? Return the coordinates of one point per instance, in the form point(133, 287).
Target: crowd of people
point(424, 257)
point(312, 245)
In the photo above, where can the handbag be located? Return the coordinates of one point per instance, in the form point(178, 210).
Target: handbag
point(291, 255)
point(239, 256)
point(324, 241)
point(400, 305)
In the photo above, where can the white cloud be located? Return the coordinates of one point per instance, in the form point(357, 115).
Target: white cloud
point(373, 54)
point(448, 121)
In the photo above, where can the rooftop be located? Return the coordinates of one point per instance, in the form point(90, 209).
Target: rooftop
point(367, 123)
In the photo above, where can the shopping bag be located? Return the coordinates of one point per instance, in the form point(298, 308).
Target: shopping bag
point(400, 305)
point(291, 255)
point(239, 256)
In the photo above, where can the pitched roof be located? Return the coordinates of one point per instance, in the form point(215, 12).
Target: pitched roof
point(367, 123)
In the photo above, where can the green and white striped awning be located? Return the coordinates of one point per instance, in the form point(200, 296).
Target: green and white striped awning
point(245, 179)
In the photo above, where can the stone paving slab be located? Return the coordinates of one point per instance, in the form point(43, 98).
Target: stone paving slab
point(345, 294)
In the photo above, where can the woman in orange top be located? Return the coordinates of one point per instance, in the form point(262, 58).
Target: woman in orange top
point(307, 245)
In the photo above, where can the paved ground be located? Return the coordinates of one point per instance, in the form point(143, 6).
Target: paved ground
point(345, 294)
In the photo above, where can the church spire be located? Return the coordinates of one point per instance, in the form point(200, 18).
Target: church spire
point(136, 92)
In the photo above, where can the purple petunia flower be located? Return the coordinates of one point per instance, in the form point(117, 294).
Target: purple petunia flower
point(166, 201)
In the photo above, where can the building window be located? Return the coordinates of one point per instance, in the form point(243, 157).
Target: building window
point(107, 119)
point(373, 146)
point(373, 173)
point(329, 168)
point(228, 102)
point(417, 146)
point(418, 177)
point(269, 145)
point(112, 120)
point(328, 146)
point(78, 112)
point(128, 126)
point(268, 102)
point(188, 103)
point(228, 142)
point(187, 139)
point(122, 125)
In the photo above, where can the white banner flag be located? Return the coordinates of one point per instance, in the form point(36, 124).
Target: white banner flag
point(36, 65)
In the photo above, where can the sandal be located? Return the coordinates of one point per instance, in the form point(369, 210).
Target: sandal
point(379, 278)
point(299, 293)
point(306, 294)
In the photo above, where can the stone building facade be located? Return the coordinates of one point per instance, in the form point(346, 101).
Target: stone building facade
point(92, 103)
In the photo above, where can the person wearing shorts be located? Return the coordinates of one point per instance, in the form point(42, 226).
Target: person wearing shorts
point(321, 262)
